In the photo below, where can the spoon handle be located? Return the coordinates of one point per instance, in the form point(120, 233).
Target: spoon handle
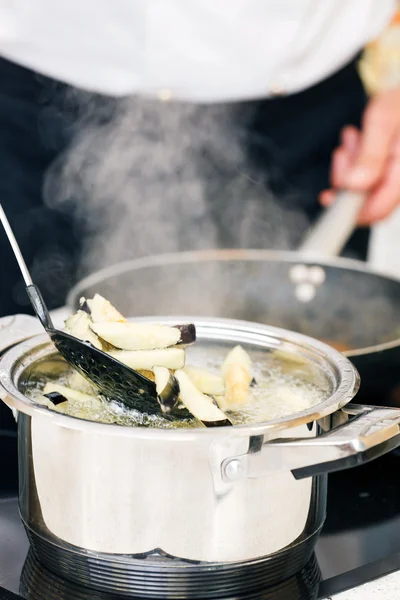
point(16, 249)
point(32, 290)
point(40, 307)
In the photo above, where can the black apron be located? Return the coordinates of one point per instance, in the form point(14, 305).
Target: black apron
point(292, 138)
point(296, 135)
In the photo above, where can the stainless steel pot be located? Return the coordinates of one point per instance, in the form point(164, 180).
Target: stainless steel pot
point(148, 512)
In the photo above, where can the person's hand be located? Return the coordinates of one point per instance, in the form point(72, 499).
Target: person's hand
point(369, 160)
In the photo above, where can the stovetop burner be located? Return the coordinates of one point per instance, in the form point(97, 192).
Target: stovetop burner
point(38, 583)
point(360, 540)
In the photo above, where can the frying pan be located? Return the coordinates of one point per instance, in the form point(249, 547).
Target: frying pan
point(338, 300)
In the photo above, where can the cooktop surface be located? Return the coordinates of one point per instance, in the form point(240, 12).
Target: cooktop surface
point(360, 540)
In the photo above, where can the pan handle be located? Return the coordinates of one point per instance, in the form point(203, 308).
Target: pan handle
point(334, 228)
point(17, 328)
point(371, 432)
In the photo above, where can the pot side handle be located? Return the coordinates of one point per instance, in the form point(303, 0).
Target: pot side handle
point(17, 328)
point(372, 432)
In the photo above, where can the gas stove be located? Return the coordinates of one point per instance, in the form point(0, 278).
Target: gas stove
point(360, 540)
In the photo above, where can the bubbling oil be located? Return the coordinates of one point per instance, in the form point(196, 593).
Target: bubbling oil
point(284, 385)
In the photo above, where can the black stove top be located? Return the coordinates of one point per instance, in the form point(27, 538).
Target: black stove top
point(360, 540)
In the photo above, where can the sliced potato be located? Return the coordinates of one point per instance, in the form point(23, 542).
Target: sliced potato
point(56, 398)
point(78, 325)
point(45, 401)
point(291, 398)
point(198, 404)
point(206, 382)
point(187, 333)
point(236, 356)
point(73, 396)
point(171, 358)
point(222, 403)
point(289, 358)
point(83, 406)
point(137, 336)
point(101, 310)
point(167, 388)
point(147, 373)
point(67, 392)
point(77, 382)
point(237, 372)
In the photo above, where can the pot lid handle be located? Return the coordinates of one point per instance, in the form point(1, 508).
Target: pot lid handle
point(370, 432)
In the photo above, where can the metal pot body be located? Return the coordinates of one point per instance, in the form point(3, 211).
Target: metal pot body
point(126, 491)
point(164, 503)
point(127, 495)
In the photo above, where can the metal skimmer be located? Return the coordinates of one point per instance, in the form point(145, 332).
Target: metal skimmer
point(114, 380)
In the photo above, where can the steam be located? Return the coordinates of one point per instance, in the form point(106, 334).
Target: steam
point(149, 177)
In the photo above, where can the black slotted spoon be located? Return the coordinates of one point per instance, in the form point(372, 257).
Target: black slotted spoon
point(114, 380)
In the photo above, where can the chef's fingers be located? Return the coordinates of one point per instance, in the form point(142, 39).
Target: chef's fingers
point(341, 162)
point(350, 137)
point(343, 156)
point(327, 197)
point(386, 196)
point(380, 125)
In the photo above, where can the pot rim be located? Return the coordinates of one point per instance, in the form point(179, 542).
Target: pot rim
point(17, 359)
point(284, 256)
